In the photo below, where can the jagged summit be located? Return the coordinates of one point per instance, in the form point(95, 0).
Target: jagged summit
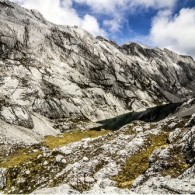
point(55, 79)
point(61, 71)
point(75, 64)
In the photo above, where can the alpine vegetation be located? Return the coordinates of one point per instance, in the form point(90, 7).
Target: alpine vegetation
point(81, 115)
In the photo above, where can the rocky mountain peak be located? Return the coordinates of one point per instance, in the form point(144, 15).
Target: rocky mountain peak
point(61, 71)
point(55, 79)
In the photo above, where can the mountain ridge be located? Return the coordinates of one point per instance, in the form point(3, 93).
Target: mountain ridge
point(64, 72)
point(57, 82)
point(98, 63)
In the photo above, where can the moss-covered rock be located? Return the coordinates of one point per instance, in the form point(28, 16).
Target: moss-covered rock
point(138, 163)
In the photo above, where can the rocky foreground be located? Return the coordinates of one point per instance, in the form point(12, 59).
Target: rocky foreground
point(80, 114)
point(138, 158)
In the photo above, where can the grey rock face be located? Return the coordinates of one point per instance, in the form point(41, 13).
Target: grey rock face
point(189, 148)
point(191, 122)
point(61, 71)
point(16, 115)
point(2, 178)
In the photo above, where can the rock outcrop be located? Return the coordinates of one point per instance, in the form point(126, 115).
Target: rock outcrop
point(139, 158)
point(63, 71)
point(60, 79)
point(2, 178)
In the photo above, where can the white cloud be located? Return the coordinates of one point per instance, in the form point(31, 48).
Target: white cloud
point(61, 12)
point(175, 32)
point(143, 39)
point(112, 5)
point(116, 9)
point(113, 25)
point(157, 4)
point(103, 6)
point(91, 25)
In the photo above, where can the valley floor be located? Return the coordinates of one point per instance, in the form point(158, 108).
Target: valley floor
point(138, 158)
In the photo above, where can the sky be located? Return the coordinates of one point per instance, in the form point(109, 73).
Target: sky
point(156, 23)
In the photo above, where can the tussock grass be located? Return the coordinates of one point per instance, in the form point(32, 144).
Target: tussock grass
point(138, 163)
point(69, 137)
point(19, 157)
point(26, 154)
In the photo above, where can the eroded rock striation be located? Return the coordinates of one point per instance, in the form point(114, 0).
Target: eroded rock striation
point(60, 79)
point(62, 71)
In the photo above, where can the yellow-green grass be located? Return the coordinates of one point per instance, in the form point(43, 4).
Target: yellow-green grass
point(26, 154)
point(69, 137)
point(138, 163)
point(19, 157)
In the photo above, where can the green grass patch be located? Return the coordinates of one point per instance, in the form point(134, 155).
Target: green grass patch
point(69, 137)
point(138, 163)
point(19, 157)
point(22, 155)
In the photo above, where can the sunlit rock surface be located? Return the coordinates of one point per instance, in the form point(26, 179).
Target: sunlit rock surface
point(62, 71)
point(60, 79)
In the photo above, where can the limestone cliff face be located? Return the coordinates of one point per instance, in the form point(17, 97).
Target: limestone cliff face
point(51, 76)
point(62, 71)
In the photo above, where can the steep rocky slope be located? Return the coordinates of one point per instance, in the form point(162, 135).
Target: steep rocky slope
point(62, 71)
point(60, 79)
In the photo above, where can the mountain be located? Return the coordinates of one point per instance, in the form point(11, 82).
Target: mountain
point(57, 78)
